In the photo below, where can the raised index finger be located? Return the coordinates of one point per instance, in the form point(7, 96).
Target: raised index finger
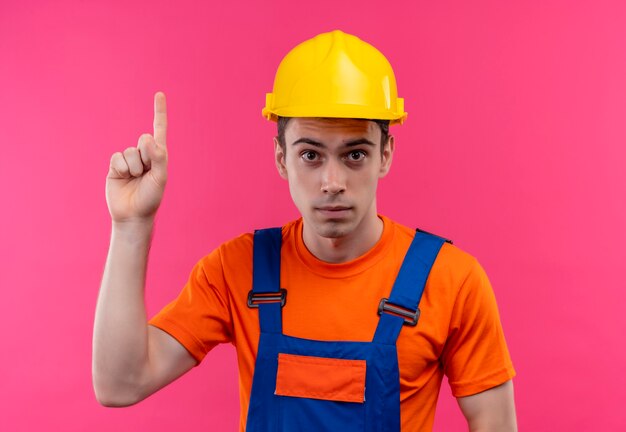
point(160, 119)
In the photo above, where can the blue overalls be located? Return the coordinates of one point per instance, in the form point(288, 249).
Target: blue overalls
point(369, 370)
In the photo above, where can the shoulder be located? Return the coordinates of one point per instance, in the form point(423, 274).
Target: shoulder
point(454, 273)
point(232, 256)
point(236, 253)
point(451, 260)
point(460, 271)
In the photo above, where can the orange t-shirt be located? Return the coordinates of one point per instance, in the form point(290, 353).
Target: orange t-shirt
point(459, 331)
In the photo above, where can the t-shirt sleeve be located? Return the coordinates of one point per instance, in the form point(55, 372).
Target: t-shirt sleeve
point(199, 318)
point(476, 357)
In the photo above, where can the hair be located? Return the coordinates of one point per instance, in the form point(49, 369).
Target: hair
point(383, 124)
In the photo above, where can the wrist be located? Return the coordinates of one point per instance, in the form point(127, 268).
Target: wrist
point(133, 229)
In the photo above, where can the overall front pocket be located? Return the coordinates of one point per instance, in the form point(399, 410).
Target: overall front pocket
point(321, 394)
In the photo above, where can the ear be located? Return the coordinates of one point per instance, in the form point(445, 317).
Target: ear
point(279, 158)
point(387, 156)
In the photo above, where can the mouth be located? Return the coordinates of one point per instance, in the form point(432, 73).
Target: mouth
point(334, 211)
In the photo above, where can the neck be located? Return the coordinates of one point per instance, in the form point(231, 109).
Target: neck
point(347, 247)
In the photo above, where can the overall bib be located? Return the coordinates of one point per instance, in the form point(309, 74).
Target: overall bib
point(307, 385)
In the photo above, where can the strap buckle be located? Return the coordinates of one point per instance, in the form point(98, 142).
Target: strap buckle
point(255, 299)
point(410, 317)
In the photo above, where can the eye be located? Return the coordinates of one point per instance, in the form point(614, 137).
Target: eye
point(309, 155)
point(356, 155)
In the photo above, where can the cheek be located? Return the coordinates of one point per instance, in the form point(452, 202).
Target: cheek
point(300, 183)
point(367, 184)
point(368, 177)
point(299, 176)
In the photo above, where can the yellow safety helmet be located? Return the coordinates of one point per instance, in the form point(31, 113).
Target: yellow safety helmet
point(335, 75)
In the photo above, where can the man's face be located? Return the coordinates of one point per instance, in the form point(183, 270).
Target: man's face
point(333, 167)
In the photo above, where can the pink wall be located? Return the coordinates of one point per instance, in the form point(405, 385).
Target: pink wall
point(514, 147)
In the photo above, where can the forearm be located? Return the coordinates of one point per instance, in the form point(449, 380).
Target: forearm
point(120, 339)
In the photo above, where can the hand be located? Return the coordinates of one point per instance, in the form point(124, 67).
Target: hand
point(137, 176)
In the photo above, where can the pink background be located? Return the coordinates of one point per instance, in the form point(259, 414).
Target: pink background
point(514, 147)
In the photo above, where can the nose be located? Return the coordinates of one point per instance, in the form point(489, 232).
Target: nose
point(333, 178)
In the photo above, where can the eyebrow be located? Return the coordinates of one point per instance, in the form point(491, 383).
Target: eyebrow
point(351, 143)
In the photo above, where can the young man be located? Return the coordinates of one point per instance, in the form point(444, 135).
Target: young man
point(343, 319)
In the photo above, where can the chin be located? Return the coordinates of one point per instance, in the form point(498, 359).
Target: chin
point(333, 229)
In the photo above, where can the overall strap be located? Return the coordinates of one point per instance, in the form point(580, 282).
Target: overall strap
point(402, 306)
point(266, 293)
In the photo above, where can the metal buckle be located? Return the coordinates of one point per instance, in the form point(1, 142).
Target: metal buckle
point(410, 317)
point(255, 299)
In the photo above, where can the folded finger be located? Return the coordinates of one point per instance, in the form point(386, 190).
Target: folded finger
point(133, 160)
point(118, 167)
point(145, 141)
